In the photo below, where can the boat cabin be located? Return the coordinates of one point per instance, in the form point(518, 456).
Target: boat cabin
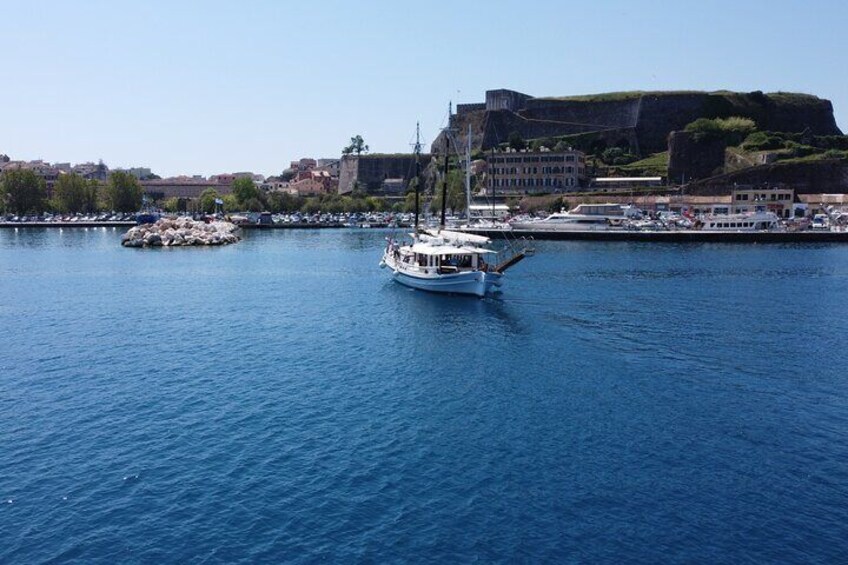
point(428, 259)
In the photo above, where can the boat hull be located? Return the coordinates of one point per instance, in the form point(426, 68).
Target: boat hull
point(474, 283)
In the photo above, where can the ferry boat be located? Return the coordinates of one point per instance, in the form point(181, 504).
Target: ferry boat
point(583, 217)
point(756, 221)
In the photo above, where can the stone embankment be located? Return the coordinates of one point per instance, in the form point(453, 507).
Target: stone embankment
point(180, 232)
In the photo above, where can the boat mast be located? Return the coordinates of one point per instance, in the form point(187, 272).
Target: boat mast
point(468, 176)
point(417, 172)
point(445, 182)
point(492, 168)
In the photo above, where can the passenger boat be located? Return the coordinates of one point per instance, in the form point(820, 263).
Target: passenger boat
point(583, 217)
point(444, 261)
point(756, 221)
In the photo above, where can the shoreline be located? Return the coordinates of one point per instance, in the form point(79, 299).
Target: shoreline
point(679, 236)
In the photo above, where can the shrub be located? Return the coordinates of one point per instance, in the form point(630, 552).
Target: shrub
point(732, 130)
point(762, 141)
point(617, 156)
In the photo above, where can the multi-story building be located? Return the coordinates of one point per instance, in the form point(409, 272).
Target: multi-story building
point(779, 200)
point(535, 172)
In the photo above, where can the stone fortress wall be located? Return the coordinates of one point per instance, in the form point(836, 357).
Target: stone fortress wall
point(642, 120)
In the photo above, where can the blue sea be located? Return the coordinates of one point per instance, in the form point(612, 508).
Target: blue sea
point(281, 400)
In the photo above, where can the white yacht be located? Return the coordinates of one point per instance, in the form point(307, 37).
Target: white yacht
point(583, 217)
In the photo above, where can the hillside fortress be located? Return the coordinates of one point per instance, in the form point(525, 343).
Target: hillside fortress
point(639, 120)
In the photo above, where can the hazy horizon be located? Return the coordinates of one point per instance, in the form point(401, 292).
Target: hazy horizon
point(208, 88)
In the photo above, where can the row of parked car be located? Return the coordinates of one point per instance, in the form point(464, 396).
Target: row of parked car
point(351, 218)
point(103, 217)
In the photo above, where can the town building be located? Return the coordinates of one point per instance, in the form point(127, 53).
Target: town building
point(535, 172)
point(140, 173)
point(305, 164)
point(779, 200)
point(307, 187)
point(332, 166)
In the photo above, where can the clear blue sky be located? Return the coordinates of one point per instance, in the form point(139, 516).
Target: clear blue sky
point(210, 87)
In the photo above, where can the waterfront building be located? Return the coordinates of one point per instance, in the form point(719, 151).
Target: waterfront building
point(535, 172)
point(779, 200)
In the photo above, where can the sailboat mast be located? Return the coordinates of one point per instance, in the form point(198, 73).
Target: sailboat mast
point(445, 181)
point(417, 172)
point(468, 176)
point(494, 216)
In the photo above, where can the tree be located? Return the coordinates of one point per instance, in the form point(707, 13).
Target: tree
point(245, 190)
point(231, 203)
point(516, 141)
point(74, 194)
point(732, 130)
point(409, 202)
point(456, 193)
point(206, 202)
point(24, 191)
point(617, 156)
point(171, 204)
point(123, 192)
point(357, 145)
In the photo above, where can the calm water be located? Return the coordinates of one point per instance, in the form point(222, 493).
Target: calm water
point(282, 400)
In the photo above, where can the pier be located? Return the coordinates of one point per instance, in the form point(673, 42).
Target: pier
point(676, 236)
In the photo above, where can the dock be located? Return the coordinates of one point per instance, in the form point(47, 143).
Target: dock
point(674, 236)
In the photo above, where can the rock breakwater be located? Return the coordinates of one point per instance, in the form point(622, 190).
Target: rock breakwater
point(180, 232)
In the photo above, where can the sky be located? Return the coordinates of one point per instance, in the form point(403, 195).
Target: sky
point(212, 87)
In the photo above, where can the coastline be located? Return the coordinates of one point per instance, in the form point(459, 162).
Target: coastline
point(677, 236)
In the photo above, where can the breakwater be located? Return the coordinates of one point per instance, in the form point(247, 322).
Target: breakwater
point(180, 232)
